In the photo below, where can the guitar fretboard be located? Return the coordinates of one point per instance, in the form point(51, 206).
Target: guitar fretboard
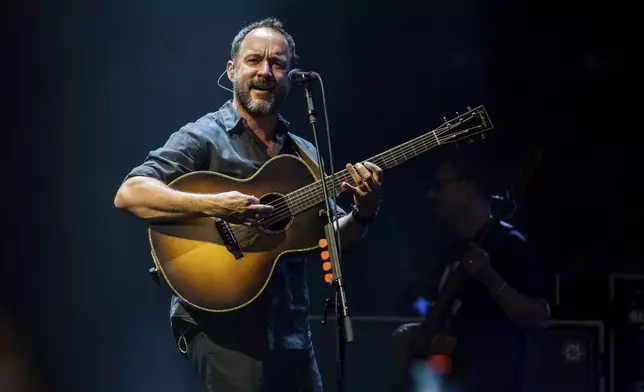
point(313, 194)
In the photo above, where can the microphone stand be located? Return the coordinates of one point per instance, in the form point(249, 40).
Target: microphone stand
point(344, 332)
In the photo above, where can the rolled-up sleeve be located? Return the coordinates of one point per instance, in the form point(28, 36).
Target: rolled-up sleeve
point(185, 151)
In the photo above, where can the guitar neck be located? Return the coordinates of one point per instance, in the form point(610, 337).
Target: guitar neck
point(313, 194)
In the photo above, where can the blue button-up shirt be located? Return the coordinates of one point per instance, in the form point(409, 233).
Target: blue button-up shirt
point(221, 141)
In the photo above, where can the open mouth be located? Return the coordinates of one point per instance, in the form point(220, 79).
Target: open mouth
point(258, 88)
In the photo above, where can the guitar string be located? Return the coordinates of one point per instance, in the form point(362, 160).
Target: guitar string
point(309, 195)
point(313, 194)
point(345, 176)
point(386, 157)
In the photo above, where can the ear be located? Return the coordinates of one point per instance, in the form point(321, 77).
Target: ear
point(230, 70)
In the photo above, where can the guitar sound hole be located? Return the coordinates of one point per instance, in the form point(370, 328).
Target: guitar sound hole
point(281, 217)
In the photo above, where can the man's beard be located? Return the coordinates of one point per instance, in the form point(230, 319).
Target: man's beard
point(258, 107)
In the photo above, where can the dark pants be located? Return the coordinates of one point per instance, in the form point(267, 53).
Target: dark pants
point(225, 369)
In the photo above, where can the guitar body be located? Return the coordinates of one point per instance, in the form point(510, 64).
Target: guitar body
point(218, 266)
point(195, 256)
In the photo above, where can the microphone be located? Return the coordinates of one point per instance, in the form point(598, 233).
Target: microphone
point(296, 75)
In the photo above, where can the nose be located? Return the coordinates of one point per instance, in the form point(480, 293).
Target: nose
point(265, 69)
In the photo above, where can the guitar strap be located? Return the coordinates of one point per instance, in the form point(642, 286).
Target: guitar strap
point(310, 161)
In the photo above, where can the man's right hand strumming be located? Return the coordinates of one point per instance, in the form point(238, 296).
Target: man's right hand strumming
point(151, 199)
point(236, 207)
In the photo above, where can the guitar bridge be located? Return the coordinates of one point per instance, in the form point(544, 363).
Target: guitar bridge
point(229, 238)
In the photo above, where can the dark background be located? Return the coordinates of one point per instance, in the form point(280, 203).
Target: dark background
point(91, 87)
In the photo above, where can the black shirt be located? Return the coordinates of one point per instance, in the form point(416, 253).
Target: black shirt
point(490, 351)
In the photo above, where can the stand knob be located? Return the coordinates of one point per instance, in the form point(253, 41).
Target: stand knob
point(154, 274)
point(327, 304)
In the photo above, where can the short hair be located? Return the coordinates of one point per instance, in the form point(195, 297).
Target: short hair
point(271, 23)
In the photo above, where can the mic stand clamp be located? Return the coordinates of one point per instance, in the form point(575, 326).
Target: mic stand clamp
point(344, 328)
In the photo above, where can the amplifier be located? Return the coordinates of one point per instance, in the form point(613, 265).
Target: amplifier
point(566, 356)
point(626, 337)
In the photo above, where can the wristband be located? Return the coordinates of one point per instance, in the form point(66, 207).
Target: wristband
point(362, 221)
point(500, 289)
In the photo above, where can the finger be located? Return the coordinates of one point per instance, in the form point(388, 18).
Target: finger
point(376, 172)
point(354, 174)
point(468, 257)
point(260, 208)
point(250, 200)
point(259, 211)
point(365, 174)
point(363, 179)
point(251, 223)
point(353, 189)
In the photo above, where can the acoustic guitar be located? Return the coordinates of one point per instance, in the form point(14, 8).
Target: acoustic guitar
point(218, 266)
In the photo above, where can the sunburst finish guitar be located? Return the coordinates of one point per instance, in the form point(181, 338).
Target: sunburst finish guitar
point(218, 266)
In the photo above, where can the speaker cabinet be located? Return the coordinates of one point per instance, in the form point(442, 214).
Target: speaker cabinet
point(566, 356)
point(627, 333)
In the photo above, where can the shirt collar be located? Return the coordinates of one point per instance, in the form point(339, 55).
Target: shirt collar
point(232, 119)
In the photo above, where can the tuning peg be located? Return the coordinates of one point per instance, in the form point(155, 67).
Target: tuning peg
point(483, 135)
point(445, 119)
point(469, 108)
point(457, 114)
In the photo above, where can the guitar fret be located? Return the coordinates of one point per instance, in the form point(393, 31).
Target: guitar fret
point(293, 202)
point(413, 149)
point(424, 144)
point(313, 194)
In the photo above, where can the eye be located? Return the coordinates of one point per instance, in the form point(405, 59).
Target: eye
point(279, 62)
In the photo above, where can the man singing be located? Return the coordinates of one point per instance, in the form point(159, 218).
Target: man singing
point(265, 346)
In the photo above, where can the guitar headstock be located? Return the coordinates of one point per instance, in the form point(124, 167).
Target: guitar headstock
point(473, 123)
